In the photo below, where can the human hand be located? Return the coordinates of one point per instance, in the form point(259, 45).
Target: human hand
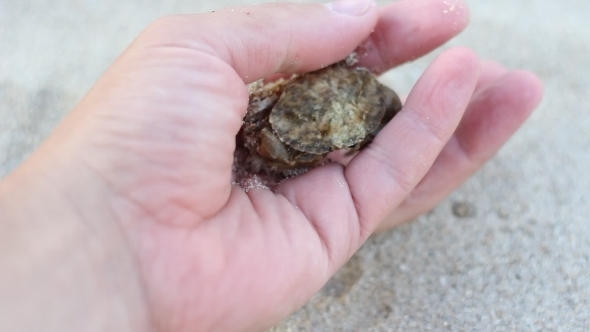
point(143, 164)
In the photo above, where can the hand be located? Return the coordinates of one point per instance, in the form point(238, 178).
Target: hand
point(137, 179)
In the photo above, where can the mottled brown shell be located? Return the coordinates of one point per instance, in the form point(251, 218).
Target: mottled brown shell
point(329, 109)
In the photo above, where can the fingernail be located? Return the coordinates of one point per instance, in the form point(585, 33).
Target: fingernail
point(351, 7)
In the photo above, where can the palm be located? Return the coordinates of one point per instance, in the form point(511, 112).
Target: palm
point(192, 228)
point(249, 259)
point(207, 250)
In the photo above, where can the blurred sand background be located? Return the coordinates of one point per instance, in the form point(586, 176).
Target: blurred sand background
point(519, 262)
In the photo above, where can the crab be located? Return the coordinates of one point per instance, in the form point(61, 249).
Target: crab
point(293, 124)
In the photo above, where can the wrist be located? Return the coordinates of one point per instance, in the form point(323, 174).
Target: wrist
point(64, 263)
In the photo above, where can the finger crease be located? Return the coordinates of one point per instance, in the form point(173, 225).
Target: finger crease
point(403, 179)
point(417, 119)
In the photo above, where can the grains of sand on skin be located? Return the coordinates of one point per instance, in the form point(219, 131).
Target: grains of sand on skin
point(252, 182)
point(451, 7)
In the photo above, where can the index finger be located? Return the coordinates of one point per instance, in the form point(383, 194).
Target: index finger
point(345, 205)
point(402, 153)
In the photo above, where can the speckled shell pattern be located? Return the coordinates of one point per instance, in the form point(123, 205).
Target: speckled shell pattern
point(330, 109)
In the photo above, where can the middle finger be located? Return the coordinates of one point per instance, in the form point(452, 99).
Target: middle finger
point(410, 29)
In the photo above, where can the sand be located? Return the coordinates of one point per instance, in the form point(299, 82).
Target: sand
point(515, 255)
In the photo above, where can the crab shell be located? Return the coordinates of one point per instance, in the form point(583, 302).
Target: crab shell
point(329, 109)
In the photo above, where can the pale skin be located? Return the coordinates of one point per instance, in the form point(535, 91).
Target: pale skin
point(125, 218)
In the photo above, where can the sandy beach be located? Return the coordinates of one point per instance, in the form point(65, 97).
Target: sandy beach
point(518, 261)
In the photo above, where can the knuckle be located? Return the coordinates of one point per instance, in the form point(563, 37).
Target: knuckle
point(161, 30)
point(431, 125)
point(164, 23)
point(404, 178)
